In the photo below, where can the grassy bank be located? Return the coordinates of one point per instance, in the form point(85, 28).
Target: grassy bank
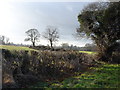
point(58, 67)
point(46, 66)
point(105, 76)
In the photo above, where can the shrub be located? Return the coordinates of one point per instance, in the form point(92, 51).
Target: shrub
point(46, 65)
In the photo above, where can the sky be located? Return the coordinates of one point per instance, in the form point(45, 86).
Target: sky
point(18, 17)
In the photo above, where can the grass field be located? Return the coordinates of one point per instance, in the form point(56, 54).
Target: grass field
point(18, 48)
point(105, 76)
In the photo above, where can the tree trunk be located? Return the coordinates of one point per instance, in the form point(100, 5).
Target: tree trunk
point(106, 53)
point(33, 44)
point(51, 44)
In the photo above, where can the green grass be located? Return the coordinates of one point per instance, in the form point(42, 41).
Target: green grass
point(106, 76)
point(88, 52)
point(17, 48)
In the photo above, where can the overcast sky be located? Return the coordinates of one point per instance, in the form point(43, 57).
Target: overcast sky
point(18, 17)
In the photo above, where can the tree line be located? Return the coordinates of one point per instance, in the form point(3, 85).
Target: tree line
point(52, 35)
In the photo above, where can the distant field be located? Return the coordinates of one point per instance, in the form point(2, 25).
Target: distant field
point(18, 48)
point(88, 52)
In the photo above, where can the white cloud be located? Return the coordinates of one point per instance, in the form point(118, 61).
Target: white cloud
point(18, 17)
point(69, 8)
point(59, 0)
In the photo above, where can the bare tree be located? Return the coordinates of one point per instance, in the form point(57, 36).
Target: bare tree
point(4, 39)
point(33, 36)
point(51, 35)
